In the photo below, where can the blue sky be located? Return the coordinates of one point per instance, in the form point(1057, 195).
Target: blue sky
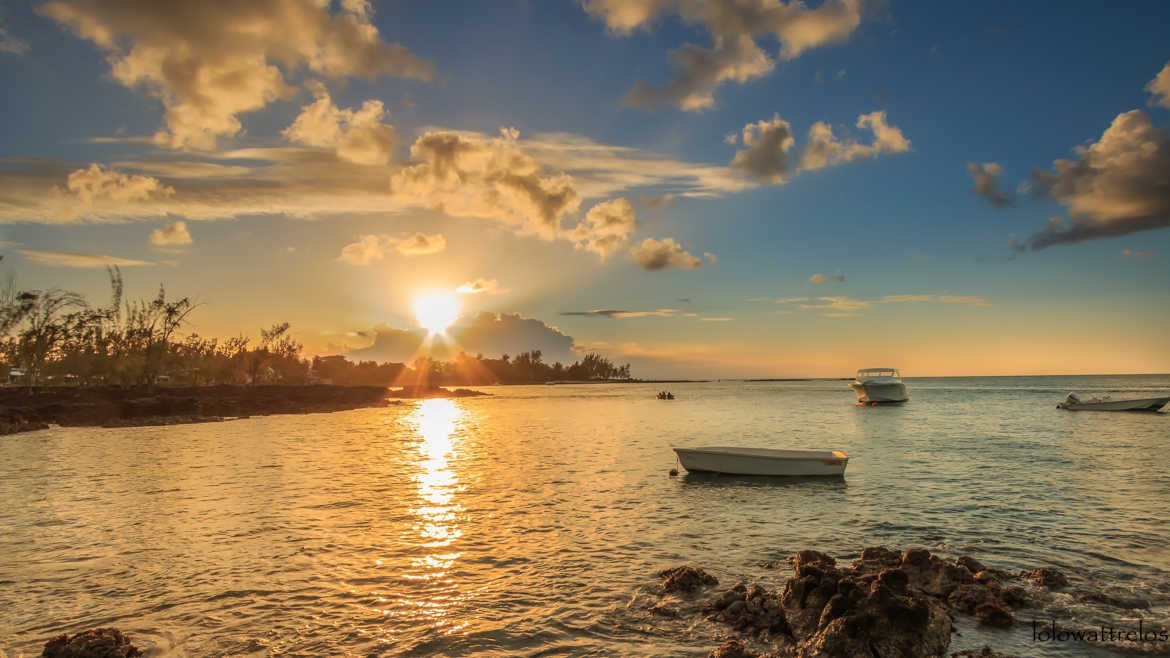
point(1016, 84)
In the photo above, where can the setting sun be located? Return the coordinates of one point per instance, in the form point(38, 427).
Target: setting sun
point(436, 311)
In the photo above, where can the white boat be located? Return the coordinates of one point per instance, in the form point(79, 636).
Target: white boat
point(875, 385)
point(762, 461)
point(1105, 403)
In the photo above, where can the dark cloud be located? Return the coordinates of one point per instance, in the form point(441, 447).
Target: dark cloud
point(495, 334)
point(657, 255)
point(1118, 185)
point(766, 158)
point(985, 175)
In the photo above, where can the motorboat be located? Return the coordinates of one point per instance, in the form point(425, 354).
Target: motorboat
point(1073, 402)
point(762, 461)
point(665, 395)
point(879, 385)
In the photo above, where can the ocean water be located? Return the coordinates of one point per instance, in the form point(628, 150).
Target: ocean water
point(532, 521)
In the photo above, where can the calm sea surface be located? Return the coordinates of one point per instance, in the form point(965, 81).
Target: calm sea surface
point(526, 522)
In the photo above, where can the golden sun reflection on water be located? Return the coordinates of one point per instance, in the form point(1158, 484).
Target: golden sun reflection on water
point(437, 422)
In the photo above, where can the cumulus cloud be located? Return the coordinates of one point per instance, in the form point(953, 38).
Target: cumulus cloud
point(1137, 254)
point(174, 234)
point(11, 44)
point(821, 278)
point(481, 286)
point(606, 228)
point(358, 136)
point(496, 334)
point(766, 158)
point(733, 53)
point(1117, 185)
point(70, 259)
point(370, 248)
point(1159, 87)
point(96, 184)
point(469, 175)
point(390, 345)
point(208, 62)
point(985, 175)
point(656, 255)
point(824, 148)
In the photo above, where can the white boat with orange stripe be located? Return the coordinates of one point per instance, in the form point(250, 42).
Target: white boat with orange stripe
point(762, 461)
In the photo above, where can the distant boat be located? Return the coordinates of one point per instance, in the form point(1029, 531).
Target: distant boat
point(875, 385)
point(762, 461)
point(1106, 403)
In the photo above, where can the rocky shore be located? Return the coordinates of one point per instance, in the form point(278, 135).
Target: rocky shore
point(427, 392)
point(887, 603)
point(26, 409)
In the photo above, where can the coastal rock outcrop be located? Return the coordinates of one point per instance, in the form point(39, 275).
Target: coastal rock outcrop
point(686, 580)
point(93, 643)
point(886, 603)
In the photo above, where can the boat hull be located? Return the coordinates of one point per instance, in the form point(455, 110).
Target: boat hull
point(732, 461)
point(1143, 404)
point(868, 392)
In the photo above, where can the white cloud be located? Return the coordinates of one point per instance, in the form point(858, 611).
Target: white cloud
point(97, 184)
point(468, 175)
point(370, 248)
point(606, 228)
point(481, 286)
point(70, 259)
point(209, 62)
point(733, 54)
point(1159, 87)
point(766, 159)
point(656, 255)
point(358, 136)
point(824, 148)
point(174, 234)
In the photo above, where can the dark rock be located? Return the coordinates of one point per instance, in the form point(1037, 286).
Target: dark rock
point(94, 643)
point(986, 577)
point(1046, 578)
point(970, 564)
point(1017, 597)
point(732, 649)
point(663, 610)
point(985, 652)
point(685, 580)
point(895, 579)
point(916, 558)
point(754, 609)
point(993, 613)
point(967, 598)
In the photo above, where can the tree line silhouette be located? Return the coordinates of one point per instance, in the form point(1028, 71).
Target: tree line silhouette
point(55, 336)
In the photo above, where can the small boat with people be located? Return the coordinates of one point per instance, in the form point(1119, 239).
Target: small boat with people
point(879, 385)
point(1073, 402)
point(762, 461)
point(665, 395)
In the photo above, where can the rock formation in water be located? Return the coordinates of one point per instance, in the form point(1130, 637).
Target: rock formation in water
point(94, 643)
point(885, 604)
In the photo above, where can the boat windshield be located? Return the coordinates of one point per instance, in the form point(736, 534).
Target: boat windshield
point(879, 372)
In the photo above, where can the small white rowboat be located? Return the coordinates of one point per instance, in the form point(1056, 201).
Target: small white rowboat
point(1074, 403)
point(762, 461)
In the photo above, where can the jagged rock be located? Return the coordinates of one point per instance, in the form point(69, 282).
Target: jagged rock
point(1046, 578)
point(93, 643)
point(1016, 597)
point(754, 610)
point(994, 613)
point(985, 652)
point(732, 649)
point(966, 598)
point(663, 610)
point(969, 563)
point(932, 575)
point(686, 580)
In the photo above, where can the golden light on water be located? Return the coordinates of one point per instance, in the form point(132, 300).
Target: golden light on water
point(436, 422)
point(436, 311)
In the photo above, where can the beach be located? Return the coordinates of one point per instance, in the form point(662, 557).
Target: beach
point(537, 518)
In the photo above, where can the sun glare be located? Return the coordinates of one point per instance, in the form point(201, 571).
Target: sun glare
point(436, 311)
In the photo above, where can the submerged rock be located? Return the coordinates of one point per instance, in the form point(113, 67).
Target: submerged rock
point(1046, 578)
point(686, 580)
point(734, 649)
point(94, 643)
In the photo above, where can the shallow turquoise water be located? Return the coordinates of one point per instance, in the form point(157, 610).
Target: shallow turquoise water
point(526, 522)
